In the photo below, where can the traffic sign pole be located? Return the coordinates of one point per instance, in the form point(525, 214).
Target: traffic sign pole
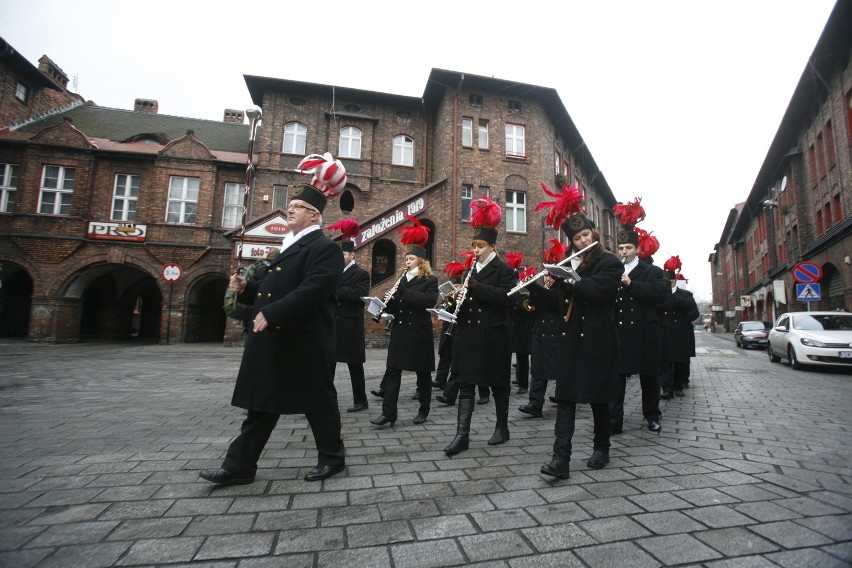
point(171, 274)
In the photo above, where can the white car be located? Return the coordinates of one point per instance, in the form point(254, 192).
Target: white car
point(812, 338)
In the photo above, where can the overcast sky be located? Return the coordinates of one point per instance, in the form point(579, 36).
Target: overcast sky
point(677, 100)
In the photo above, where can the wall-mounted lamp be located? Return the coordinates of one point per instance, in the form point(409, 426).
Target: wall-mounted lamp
point(770, 203)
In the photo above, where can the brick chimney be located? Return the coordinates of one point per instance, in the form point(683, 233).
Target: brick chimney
point(148, 106)
point(52, 70)
point(234, 116)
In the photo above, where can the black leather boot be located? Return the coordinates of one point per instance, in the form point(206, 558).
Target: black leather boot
point(462, 439)
point(501, 431)
point(559, 466)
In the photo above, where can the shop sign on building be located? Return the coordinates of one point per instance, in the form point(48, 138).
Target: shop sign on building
point(106, 231)
point(377, 227)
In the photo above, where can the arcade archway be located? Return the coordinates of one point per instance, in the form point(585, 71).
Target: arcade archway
point(16, 291)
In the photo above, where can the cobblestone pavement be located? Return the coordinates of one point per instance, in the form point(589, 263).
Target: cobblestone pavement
point(102, 443)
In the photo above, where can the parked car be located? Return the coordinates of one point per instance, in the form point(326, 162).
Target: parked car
point(752, 333)
point(812, 338)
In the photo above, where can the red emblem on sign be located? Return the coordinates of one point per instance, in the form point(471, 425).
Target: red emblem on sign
point(277, 228)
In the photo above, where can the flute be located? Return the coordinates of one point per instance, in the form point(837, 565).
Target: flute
point(378, 317)
point(523, 285)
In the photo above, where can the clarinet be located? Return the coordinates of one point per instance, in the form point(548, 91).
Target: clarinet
point(378, 317)
point(462, 295)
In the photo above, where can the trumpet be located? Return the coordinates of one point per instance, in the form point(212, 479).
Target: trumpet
point(523, 285)
point(378, 317)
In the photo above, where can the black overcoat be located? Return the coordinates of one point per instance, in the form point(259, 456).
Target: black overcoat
point(412, 343)
point(680, 310)
point(522, 321)
point(350, 344)
point(482, 353)
point(636, 317)
point(288, 368)
point(588, 352)
point(548, 326)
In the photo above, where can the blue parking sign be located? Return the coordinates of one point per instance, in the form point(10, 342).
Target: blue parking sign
point(808, 292)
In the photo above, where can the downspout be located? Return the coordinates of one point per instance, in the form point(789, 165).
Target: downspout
point(454, 177)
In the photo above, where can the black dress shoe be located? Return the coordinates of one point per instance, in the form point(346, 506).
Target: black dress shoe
point(420, 418)
point(416, 395)
point(679, 392)
point(382, 420)
point(557, 468)
point(667, 395)
point(531, 409)
point(324, 471)
point(225, 477)
point(523, 390)
point(437, 385)
point(654, 425)
point(599, 459)
point(553, 399)
point(444, 400)
point(358, 407)
point(378, 393)
point(483, 400)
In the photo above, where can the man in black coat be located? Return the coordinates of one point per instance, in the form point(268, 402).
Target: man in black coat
point(288, 362)
point(643, 286)
point(350, 345)
point(680, 310)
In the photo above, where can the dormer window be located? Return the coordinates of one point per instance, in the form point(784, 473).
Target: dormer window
point(22, 93)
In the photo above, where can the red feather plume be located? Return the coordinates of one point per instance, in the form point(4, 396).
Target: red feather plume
point(527, 274)
point(673, 264)
point(555, 252)
point(629, 214)
point(567, 203)
point(416, 234)
point(680, 276)
point(514, 259)
point(648, 244)
point(348, 227)
point(454, 269)
point(485, 211)
point(470, 257)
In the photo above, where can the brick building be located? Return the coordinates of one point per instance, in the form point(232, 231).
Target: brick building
point(799, 206)
point(97, 200)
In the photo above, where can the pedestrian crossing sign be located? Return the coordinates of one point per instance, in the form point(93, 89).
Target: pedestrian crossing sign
point(808, 292)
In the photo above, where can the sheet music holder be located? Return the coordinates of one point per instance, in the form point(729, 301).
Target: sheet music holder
point(446, 288)
point(563, 272)
point(442, 314)
point(373, 305)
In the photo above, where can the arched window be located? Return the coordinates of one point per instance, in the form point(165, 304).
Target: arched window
point(295, 136)
point(350, 143)
point(383, 261)
point(403, 151)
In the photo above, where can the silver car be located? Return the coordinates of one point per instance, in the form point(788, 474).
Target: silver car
point(812, 338)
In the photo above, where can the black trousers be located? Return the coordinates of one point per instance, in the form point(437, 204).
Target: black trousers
point(451, 390)
point(445, 361)
point(564, 429)
point(356, 377)
point(393, 382)
point(650, 400)
point(680, 374)
point(522, 371)
point(245, 450)
point(664, 377)
point(538, 388)
point(467, 390)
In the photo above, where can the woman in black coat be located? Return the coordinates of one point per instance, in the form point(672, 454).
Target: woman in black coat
point(481, 347)
point(588, 352)
point(412, 343)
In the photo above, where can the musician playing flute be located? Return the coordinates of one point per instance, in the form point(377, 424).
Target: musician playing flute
point(481, 348)
point(412, 344)
point(588, 350)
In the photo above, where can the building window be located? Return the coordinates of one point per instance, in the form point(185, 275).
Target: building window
point(838, 211)
point(516, 211)
point(8, 185)
point(350, 143)
point(183, 199)
point(514, 106)
point(124, 196)
point(467, 132)
point(475, 100)
point(22, 93)
point(232, 211)
point(57, 186)
point(830, 153)
point(827, 215)
point(515, 141)
point(820, 154)
point(403, 151)
point(557, 163)
point(295, 137)
point(483, 134)
point(279, 197)
point(466, 198)
point(819, 228)
point(812, 165)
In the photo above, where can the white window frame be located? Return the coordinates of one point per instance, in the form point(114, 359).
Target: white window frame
point(483, 134)
point(295, 138)
point(182, 203)
point(125, 193)
point(55, 196)
point(516, 141)
point(516, 211)
point(467, 132)
point(9, 176)
point(349, 145)
point(22, 92)
point(403, 151)
point(466, 193)
point(232, 208)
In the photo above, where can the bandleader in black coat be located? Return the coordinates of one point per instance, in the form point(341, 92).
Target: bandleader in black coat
point(350, 343)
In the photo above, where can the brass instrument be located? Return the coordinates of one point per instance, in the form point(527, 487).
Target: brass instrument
point(378, 317)
point(527, 305)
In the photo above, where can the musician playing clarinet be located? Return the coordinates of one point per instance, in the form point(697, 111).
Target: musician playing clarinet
point(482, 352)
point(412, 344)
